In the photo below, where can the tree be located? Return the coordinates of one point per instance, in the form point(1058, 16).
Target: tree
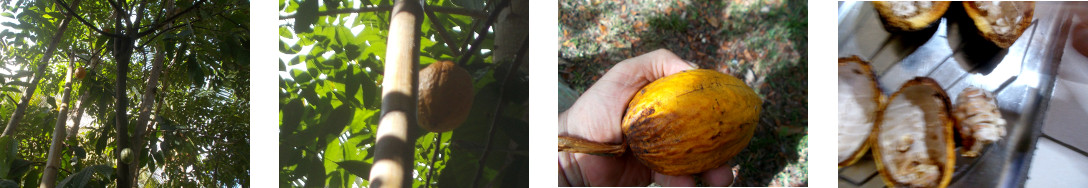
point(336, 53)
point(191, 126)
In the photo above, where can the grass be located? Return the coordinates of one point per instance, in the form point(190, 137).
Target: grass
point(760, 41)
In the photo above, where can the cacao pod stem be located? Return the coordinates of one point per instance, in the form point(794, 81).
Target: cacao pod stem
point(578, 145)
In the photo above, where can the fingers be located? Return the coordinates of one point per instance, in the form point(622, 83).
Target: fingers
point(673, 181)
point(589, 170)
point(656, 64)
point(630, 75)
point(607, 99)
point(638, 71)
point(719, 177)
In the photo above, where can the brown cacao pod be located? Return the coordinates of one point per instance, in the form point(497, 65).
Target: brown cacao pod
point(691, 122)
point(80, 73)
point(445, 96)
point(1000, 22)
point(910, 16)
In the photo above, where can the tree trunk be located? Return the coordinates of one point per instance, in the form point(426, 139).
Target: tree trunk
point(510, 29)
point(146, 101)
point(21, 108)
point(52, 164)
point(76, 115)
point(122, 52)
point(393, 149)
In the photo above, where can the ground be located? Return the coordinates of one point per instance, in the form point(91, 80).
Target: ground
point(763, 42)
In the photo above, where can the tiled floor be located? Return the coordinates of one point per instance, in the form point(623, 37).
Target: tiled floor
point(1055, 165)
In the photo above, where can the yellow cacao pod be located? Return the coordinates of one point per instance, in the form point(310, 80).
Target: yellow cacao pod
point(691, 122)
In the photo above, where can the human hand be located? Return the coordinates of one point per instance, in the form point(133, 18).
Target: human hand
point(596, 116)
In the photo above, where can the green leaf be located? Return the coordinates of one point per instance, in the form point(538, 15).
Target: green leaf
point(9, 89)
point(287, 49)
point(291, 116)
point(335, 181)
point(19, 168)
point(338, 119)
point(306, 16)
point(352, 51)
point(315, 173)
point(80, 178)
point(20, 83)
point(371, 93)
point(8, 148)
point(31, 181)
point(358, 168)
point(285, 33)
point(470, 4)
point(351, 84)
point(196, 72)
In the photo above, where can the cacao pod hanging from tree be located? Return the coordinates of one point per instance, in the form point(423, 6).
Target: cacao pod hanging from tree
point(80, 72)
point(445, 96)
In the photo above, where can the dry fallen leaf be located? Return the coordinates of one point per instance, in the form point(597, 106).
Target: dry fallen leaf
point(713, 21)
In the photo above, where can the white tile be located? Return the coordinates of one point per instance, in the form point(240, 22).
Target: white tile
point(1054, 165)
point(1068, 104)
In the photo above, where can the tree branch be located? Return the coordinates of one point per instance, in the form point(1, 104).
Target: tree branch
point(234, 22)
point(140, 16)
point(498, 109)
point(148, 41)
point(85, 22)
point(434, 156)
point(121, 13)
point(189, 23)
point(483, 33)
point(168, 19)
point(12, 99)
point(436, 25)
point(380, 8)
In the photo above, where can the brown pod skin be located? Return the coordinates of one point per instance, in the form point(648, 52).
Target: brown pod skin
point(445, 96)
point(691, 122)
point(920, 19)
point(988, 28)
point(80, 72)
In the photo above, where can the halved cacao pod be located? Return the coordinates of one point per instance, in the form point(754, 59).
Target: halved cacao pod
point(912, 141)
point(910, 15)
point(691, 122)
point(1001, 22)
point(859, 101)
point(445, 96)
